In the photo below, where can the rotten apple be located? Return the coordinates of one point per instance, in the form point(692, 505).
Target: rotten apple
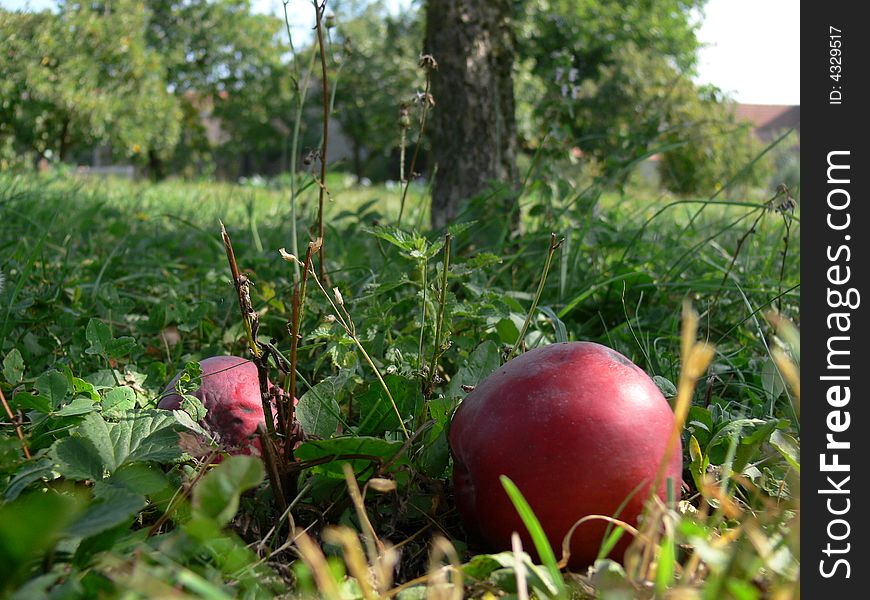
point(579, 428)
point(230, 391)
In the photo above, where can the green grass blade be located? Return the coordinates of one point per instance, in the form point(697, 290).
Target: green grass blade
point(539, 538)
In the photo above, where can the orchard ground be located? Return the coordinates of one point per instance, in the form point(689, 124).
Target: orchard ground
point(111, 287)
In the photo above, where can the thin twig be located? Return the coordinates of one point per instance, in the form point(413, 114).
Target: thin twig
point(343, 318)
point(428, 63)
point(554, 245)
point(16, 425)
point(319, 9)
point(439, 323)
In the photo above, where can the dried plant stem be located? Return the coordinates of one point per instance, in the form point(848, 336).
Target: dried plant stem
point(181, 494)
point(295, 333)
point(343, 318)
point(424, 269)
point(251, 323)
point(554, 245)
point(439, 323)
point(15, 423)
point(319, 10)
point(785, 240)
point(410, 174)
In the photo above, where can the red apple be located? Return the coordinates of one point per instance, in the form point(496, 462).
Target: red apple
point(579, 428)
point(230, 391)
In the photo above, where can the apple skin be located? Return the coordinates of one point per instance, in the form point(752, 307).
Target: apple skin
point(578, 427)
point(230, 391)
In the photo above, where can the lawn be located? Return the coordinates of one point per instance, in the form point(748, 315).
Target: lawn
point(112, 287)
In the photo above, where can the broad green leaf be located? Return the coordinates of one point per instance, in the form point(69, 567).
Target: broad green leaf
point(217, 496)
point(28, 526)
point(97, 447)
point(508, 329)
point(13, 367)
point(318, 410)
point(98, 336)
point(666, 386)
point(194, 407)
point(119, 400)
point(115, 506)
point(53, 386)
point(788, 447)
point(377, 413)
point(485, 359)
point(121, 346)
point(26, 401)
point(78, 458)
point(361, 446)
point(78, 406)
point(139, 478)
point(29, 472)
point(145, 436)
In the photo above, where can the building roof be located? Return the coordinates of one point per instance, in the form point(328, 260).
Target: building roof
point(768, 119)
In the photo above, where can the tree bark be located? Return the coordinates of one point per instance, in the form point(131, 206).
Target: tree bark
point(474, 139)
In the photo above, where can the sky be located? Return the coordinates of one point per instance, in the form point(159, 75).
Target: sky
point(751, 47)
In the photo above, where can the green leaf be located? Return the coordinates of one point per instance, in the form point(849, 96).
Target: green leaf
point(121, 346)
point(666, 386)
point(539, 538)
point(53, 386)
point(318, 410)
point(561, 330)
point(96, 447)
point(499, 568)
point(30, 471)
point(98, 336)
point(217, 496)
point(119, 400)
point(149, 435)
point(80, 386)
point(78, 406)
point(771, 379)
point(194, 407)
point(508, 329)
point(139, 478)
point(665, 564)
point(485, 359)
point(788, 447)
point(115, 506)
point(13, 367)
point(77, 457)
point(376, 448)
point(377, 414)
point(28, 526)
point(25, 401)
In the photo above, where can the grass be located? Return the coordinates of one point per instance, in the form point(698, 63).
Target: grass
point(147, 262)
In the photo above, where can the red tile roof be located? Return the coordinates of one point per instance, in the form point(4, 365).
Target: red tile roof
point(768, 119)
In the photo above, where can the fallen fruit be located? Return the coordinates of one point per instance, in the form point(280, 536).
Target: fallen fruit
point(230, 391)
point(579, 428)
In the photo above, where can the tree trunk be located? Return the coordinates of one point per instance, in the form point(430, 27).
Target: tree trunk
point(474, 140)
point(64, 141)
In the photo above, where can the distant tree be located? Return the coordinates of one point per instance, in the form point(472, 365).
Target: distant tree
point(379, 54)
point(706, 147)
point(474, 141)
point(223, 59)
point(607, 75)
point(85, 77)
